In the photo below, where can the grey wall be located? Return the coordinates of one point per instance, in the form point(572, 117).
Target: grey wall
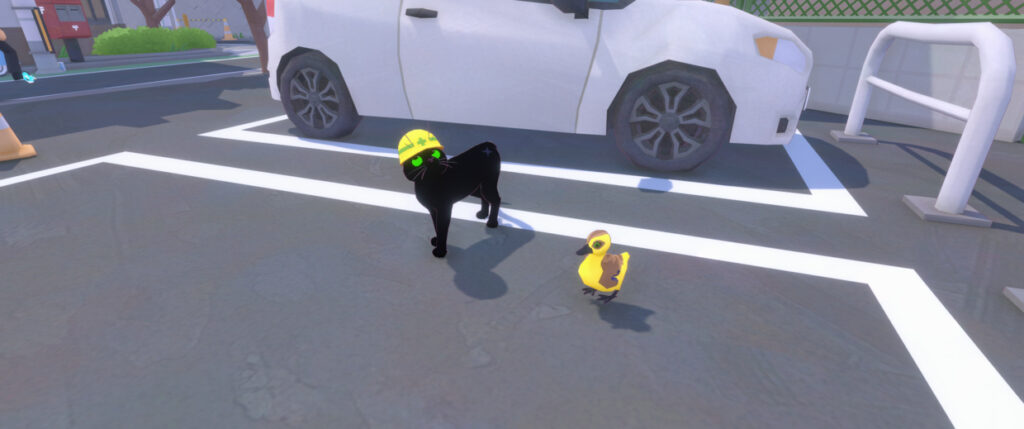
point(946, 72)
point(7, 18)
point(196, 10)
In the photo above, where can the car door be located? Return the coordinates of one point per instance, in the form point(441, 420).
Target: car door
point(507, 63)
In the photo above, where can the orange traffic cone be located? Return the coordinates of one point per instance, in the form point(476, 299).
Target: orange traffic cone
point(227, 31)
point(10, 147)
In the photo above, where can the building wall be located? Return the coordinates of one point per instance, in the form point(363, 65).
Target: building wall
point(7, 18)
point(216, 9)
point(201, 14)
point(946, 72)
point(16, 38)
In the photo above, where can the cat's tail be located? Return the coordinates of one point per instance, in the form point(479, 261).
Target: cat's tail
point(492, 151)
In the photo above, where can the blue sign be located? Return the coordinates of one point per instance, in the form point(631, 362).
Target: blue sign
point(3, 64)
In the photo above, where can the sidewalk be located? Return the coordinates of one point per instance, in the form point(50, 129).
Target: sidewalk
point(129, 72)
point(100, 63)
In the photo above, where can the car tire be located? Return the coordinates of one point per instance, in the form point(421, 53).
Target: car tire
point(671, 117)
point(316, 98)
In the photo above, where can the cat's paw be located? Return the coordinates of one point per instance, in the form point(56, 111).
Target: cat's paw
point(439, 252)
point(492, 224)
point(433, 241)
point(481, 214)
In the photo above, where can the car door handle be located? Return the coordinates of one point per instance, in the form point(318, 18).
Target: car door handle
point(421, 13)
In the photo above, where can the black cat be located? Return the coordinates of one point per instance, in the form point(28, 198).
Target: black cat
point(441, 182)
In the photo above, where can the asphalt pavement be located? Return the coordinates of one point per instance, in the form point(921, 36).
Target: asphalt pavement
point(135, 297)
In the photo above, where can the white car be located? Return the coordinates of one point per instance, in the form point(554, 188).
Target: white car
point(670, 80)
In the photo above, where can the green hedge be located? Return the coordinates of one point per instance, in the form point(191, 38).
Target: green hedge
point(145, 40)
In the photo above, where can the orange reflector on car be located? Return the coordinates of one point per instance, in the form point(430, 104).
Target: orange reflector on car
point(766, 46)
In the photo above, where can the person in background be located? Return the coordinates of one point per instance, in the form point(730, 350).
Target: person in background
point(12, 60)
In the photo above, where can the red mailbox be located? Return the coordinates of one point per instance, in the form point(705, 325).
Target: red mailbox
point(64, 19)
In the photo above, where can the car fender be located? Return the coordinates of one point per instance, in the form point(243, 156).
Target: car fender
point(361, 39)
point(713, 36)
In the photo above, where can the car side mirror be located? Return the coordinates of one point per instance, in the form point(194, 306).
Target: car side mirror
point(577, 7)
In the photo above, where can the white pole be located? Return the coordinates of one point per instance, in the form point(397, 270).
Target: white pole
point(114, 10)
point(174, 18)
point(998, 68)
point(863, 93)
point(995, 50)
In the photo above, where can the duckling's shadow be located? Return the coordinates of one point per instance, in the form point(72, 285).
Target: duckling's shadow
point(473, 266)
point(624, 316)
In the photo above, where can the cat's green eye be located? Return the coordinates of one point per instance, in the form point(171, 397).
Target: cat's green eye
point(417, 161)
point(436, 154)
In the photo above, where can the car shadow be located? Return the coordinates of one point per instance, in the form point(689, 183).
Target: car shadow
point(624, 316)
point(993, 179)
point(835, 118)
point(752, 166)
point(850, 172)
point(473, 266)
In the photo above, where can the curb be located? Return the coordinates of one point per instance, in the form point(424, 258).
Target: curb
point(142, 85)
point(103, 61)
point(95, 61)
point(89, 58)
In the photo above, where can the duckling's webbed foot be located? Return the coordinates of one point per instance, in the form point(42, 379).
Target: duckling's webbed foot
point(608, 298)
point(589, 291)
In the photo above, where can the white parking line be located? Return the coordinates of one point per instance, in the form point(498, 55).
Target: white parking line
point(970, 390)
point(827, 193)
point(51, 171)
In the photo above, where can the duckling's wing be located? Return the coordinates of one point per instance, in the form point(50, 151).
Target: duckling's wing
point(610, 266)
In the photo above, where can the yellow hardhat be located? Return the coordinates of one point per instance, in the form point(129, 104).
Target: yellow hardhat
point(414, 142)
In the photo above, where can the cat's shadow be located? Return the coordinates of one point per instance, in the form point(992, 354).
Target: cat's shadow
point(473, 266)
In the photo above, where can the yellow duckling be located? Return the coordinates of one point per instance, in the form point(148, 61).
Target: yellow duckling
point(599, 270)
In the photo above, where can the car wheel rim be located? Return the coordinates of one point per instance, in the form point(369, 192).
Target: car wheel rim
point(314, 98)
point(670, 121)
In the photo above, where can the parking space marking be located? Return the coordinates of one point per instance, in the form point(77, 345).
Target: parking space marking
point(827, 193)
point(51, 171)
point(970, 390)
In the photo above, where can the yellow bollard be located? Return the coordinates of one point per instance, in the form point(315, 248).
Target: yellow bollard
point(10, 147)
point(184, 17)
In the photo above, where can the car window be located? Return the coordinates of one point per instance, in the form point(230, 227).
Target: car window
point(72, 13)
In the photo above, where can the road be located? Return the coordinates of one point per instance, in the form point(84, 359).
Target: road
point(211, 269)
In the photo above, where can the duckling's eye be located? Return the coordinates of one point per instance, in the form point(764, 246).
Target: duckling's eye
point(598, 244)
point(436, 154)
point(417, 161)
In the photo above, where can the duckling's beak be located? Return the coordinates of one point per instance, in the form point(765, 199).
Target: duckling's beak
point(584, 250)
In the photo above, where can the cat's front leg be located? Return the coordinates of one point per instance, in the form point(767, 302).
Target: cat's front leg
point(433, 220)
point(441, 222)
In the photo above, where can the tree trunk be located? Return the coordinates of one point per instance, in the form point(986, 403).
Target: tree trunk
point(152, 15)
point(257, 18)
